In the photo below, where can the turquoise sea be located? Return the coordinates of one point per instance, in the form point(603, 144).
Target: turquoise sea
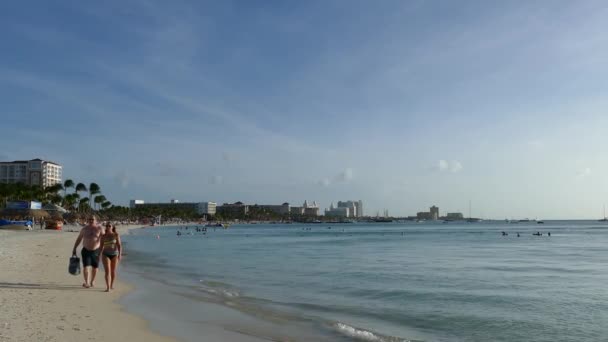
point(374, 282)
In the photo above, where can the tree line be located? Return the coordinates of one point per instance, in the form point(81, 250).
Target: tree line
point(80, 199)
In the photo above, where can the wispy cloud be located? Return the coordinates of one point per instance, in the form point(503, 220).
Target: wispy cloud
point(583, 173)
point(344, 176)
point(449, 166)
point(122, 178)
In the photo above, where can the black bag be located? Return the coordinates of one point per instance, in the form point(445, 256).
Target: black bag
point(74, 267)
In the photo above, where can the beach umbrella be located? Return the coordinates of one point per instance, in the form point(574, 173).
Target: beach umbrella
point(27, 213)
point(73, 216)
point(56, 215)
point(37, 213)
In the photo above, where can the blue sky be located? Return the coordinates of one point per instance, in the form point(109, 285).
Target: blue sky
point(402, 104)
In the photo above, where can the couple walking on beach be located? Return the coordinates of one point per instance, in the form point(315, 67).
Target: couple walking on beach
point(99, 244)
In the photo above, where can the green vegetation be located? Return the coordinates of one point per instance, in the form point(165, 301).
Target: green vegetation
point(53, 194)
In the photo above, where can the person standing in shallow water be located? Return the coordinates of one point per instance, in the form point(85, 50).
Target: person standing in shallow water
point(90, 236)
point(111, 250)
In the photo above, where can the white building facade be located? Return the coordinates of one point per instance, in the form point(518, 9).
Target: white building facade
point(35, 172)
point(207, 208)
point(337, 211)
point(355, 207)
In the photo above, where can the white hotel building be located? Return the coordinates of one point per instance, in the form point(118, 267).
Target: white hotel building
point(35, 172)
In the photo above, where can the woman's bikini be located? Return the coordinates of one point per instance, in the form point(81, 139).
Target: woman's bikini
point(109, 247)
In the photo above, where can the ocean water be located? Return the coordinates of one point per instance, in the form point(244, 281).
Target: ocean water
point(375, 282)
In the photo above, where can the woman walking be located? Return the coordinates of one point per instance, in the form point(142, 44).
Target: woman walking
point(111, 250)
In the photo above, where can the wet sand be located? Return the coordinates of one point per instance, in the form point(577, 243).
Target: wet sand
point(41, 301)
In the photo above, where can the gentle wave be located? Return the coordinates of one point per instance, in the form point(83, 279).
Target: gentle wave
point(211, 287)
point(364, 335)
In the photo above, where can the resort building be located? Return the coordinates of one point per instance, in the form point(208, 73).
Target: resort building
point(201, 208)
point(454, 216)
point(355, 207)
point(432, 214)
point(207, 208)
point(134, 203)
point(282, 209)
point(234, 209)
point(337, 211)
point(306, 209)
point(35, 172)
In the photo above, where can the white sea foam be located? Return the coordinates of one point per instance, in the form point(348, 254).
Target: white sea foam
point(219, 291)
point(363, 335)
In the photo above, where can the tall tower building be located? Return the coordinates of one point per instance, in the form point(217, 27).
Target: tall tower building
point(359, 206)
point(434, 213)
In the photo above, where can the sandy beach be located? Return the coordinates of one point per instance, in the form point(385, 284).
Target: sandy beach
point(41, 301)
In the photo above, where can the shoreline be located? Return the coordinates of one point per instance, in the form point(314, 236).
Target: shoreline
point(41, 301)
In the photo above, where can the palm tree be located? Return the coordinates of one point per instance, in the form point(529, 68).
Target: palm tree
point(70, 200)
point(51, 193)
point(93, 190)
point(105, 205)
point(80, 187)
point(99, 199)
point(83, 204)
point(67, 184)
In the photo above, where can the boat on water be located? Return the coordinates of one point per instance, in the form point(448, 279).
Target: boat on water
point(540, 222)
point(605, 219)
point(217, 225)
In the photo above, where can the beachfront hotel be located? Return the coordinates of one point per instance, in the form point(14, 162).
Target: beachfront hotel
point(355, 208)
point(201, 208)
point(35, 172)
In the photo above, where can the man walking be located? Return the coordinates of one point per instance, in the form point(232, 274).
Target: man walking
point(90, 236)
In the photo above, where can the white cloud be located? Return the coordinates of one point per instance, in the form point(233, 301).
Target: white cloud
point(342, 177)
point(451, 166)
point(345, 176)
point(455, 166)
point(122, 178)
point(324, 182)
point(583, 173)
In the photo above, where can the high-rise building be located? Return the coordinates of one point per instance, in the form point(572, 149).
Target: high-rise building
point(434, 213)
point(35, 172)
point(338, 211)
point(206, 208)
point(355, 207)
point(306, 209)
point(359, 206)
